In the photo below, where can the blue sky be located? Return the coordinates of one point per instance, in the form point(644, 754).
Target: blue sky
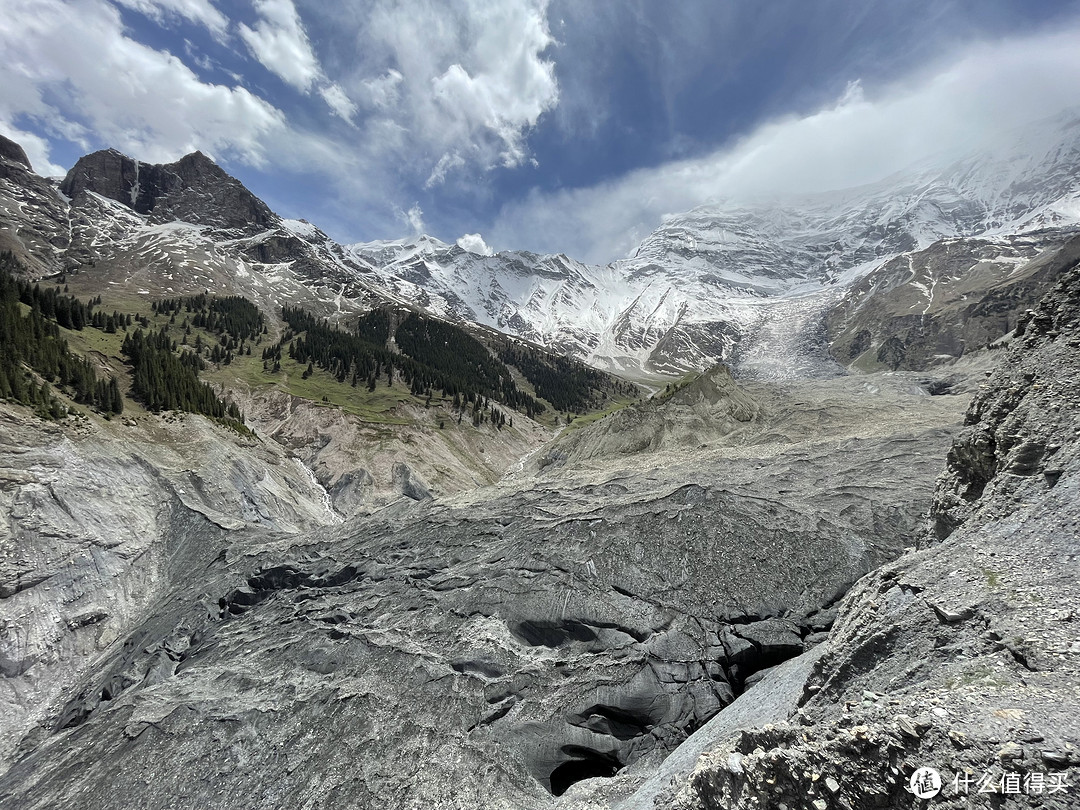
point(551, 125)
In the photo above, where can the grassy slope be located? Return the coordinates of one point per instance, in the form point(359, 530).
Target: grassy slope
point(381, 406)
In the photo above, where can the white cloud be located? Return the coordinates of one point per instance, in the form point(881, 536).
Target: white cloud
point(70, 69)
point(466, 78)
point(977, 97)
point(340, 103)
point(447, 163)
point(279, 42)
point(383, 91)
point(414, 218)
point(474, 243)
point(201, 12)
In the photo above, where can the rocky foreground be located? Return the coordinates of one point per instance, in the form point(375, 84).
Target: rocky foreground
point(550, 641)
point(961, 657)
point(499, 648)
point(637, 617)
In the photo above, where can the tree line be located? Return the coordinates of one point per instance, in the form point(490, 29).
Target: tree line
point(232, 314)
point(33, 340)
point(568, 385)
point(433, 356)
point(165, 380)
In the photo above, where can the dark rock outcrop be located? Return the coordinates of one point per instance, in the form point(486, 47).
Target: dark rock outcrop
point(32, 215)
point(9, 150)
point(932, 306)
point(193, 189)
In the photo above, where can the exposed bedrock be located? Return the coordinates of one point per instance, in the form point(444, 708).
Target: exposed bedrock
point(494, 649)
point(962, 656)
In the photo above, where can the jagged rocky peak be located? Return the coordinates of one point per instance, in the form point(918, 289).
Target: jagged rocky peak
point(12, 151)
point(193, 189)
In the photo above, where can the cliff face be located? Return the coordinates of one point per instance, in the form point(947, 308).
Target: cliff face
point(931, 306)
point(100, 522)
point(14, 152)
point(193, 189)
point(964, 656)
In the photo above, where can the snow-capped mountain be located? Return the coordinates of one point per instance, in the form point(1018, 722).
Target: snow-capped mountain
point(708, 279)
point(745, 282)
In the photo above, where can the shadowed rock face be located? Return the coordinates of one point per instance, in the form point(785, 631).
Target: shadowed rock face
point(932, 306)
point(12, 151)
point(193, 189)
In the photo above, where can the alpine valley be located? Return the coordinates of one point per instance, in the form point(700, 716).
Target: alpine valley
point(770, 514)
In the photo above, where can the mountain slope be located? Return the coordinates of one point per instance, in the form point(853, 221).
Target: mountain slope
point(962, 656)
point(504, 646)
point(132, 236)
point(706, 280)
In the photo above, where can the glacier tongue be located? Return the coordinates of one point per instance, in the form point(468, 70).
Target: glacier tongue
point(788, 341)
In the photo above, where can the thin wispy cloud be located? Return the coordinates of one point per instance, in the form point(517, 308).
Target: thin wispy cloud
point(201, 12)
point(952, 108)
point(71, 70)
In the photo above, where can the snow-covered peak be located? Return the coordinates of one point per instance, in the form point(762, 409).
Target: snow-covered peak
point(706, 278)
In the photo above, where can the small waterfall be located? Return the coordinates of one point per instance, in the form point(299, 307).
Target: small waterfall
point(328, 504)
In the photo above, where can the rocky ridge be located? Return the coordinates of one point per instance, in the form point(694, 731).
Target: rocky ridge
point(933, 305)
point(193, 189)
point(698, 289)
point(706, 280)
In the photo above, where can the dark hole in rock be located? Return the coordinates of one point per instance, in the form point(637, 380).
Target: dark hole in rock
point(335, 617)
point(279, 578)
point(587, 764)
point(614, 721)
point(541, 633)
point(345, 575)
point(939, 388)
point(498, 713)
point(76, 713)
point(477, 666)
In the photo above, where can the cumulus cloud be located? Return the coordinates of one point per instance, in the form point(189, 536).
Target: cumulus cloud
point(966, 103)
point(70, 69)
point(201, 12)
point(474, 243)
point(281, 45)
point(467, 79)
point(279, 42)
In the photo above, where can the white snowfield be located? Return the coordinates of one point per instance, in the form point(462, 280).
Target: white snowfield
point(717, 276)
